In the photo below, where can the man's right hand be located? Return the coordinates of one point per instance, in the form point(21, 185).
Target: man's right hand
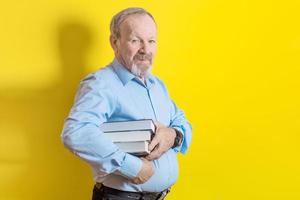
point(145, 173)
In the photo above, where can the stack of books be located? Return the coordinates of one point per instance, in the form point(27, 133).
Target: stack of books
point(130, 136)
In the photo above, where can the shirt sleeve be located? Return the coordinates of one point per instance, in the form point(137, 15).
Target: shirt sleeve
point(179, 121)
point(94, 104)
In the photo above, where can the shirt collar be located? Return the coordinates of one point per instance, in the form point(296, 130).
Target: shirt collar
point(125, 75)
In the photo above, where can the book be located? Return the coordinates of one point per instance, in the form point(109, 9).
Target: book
point(139, 148)
point(135, 125)
point(129, 136)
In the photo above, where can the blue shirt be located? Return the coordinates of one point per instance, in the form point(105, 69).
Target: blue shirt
point(115, 94)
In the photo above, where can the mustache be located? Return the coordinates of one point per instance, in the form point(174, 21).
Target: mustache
point(143, 56)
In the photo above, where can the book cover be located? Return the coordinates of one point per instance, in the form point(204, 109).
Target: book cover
point(135, 125)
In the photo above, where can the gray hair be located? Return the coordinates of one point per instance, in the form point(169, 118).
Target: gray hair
point(117, 20)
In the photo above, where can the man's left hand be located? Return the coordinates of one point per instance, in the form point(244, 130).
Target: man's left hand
point(162, 141)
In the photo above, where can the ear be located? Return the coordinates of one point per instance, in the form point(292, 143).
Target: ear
point(114, 42)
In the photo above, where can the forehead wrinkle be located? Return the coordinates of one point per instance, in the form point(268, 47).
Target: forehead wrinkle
point(131, 27)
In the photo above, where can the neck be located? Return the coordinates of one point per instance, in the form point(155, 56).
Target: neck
point(142, 78)
point(121, 61)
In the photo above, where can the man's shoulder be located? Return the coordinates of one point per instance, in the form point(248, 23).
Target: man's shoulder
point(160, 84)
point(158, 81)
point(103, 75)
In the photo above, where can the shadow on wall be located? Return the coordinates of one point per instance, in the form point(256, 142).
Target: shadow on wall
point(33, 162)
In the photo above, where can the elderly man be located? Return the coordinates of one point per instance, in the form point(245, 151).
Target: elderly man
point(126, 90)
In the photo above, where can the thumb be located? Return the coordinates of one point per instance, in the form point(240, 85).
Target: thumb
point(153, 143)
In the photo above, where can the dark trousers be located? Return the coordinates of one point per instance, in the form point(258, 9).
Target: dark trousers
point(104, 193)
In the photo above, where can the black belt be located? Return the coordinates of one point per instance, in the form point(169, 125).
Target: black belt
point(132, 195)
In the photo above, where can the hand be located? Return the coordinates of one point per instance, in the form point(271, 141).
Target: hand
point(162, 141)
point(145, 173)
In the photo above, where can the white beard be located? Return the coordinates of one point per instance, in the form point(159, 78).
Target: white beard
point(138, 71)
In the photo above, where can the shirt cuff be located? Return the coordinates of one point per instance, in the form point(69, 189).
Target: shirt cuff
point(131, 166)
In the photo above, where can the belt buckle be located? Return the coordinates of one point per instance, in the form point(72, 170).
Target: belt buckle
point(98, 185)
point(163, 194)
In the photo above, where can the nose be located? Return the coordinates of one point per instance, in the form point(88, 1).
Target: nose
point(144, 48)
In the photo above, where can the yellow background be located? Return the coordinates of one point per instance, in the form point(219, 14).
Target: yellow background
point(232, 65)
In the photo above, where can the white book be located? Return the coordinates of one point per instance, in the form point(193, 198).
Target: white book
point(135, 125)
point(135, 148)
point(129, 136)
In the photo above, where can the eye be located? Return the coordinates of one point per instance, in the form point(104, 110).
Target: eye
point(135, 41)
point(152, 41)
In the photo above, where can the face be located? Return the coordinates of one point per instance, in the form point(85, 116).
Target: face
point(136, 47)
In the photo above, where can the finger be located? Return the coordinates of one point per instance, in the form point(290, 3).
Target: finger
point(150, 156)
point(153, 143)
point(147, 157)
point(154, 154)
point(134, 181)
point(137, 182)
point(143, 159)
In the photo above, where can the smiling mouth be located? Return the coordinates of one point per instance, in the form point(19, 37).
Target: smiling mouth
point(143, 61)
point(143, 58)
